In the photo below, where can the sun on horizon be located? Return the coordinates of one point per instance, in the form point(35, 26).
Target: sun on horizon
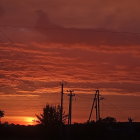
point(22, 120)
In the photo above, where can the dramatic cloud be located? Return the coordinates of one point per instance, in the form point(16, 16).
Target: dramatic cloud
point(36, 66)
point(89, 44)
point(122, 15)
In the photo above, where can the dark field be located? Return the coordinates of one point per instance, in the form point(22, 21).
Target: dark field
point(94, 131)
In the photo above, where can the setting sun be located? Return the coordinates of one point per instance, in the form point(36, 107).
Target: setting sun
point(29, 120)
point(23, 120)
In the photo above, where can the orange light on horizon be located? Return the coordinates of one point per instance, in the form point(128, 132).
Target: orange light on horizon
point(22, 120)
point(30, 120)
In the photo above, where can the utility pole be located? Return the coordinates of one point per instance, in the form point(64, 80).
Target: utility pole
point(70, 106)
point(62, 93)
point(96, 104)
point(96, 108)
point(93, 104)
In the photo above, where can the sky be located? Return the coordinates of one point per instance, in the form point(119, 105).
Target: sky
point(90, 45)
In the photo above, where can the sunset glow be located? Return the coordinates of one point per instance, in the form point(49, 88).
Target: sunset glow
point(29, 120)
point(23, 120)
point(87, 44)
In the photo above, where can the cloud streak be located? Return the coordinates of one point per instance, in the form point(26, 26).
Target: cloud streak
point(33, 68)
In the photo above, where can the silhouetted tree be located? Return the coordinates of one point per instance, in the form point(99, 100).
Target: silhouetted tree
point(108, 120)
point(1, 115)
point(51, 116)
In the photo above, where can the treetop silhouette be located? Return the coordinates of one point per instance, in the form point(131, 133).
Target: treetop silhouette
point(1, 115)
point(51, 116)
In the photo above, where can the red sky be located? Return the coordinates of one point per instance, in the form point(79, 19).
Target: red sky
point(90, 44)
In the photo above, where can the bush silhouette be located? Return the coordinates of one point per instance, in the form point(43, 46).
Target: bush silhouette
point(51, 116)
point(130, 119)
point(108, 120)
